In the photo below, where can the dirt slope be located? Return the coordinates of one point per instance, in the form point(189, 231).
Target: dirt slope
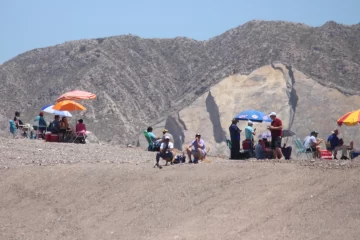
point(107, 192)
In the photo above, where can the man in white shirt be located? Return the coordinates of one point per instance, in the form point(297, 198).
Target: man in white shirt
point(166, 151)
point(311, 142)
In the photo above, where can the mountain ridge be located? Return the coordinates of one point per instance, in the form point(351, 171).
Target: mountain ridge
point(139, 81)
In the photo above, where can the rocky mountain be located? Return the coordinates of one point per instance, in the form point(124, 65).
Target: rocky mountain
point(301, 103)
point(143, 81)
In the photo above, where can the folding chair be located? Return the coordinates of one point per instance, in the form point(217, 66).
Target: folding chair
point(81, 135)
point(228, 143)
point(301, 150)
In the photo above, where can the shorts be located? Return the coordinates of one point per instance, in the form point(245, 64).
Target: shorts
point(276, 142)
point(194, 152)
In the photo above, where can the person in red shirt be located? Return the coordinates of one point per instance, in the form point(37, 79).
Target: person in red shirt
point(276, 135)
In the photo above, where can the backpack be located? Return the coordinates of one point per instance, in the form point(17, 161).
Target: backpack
point(180, 159)
point(286, 151)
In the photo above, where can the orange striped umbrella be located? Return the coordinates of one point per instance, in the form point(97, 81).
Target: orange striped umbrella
point(68, 105)
point(350, 119)
point(76, 95)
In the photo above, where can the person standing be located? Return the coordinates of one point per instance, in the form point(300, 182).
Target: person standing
point(276, 135)
point(235, 139)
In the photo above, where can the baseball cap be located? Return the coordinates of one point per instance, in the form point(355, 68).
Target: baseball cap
point(167, 137)
point(250, 122)
point(272, 114)
point(197, 135)
point(314, 132)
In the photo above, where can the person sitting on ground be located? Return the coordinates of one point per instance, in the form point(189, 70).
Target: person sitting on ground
point(166, 151)
point(250, 133)
point(42, 125)
point(354, 152)
point(311, 142)
point(199, 152)
point(259, 150)
point(337, 144)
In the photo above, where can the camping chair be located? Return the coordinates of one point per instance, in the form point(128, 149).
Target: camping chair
point(228, 143)
point(151, 146)
point(80, 136)
point(301, 150)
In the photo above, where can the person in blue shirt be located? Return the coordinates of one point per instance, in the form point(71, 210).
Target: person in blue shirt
point(249, 131)
point(337, 144)
point(235, 139)
point(42, 124)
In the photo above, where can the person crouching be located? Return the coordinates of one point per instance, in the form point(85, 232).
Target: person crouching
point(166, 151)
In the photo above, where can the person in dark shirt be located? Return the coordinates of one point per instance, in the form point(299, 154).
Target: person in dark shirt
point(337, 144)
point(17, 120)
point(276, 135)
point(56, 124)
point(235, 139)
point(42, 124)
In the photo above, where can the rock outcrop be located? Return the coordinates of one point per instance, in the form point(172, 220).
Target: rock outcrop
point(300, 102)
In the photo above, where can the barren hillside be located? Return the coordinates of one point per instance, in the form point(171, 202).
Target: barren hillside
point(141, 81)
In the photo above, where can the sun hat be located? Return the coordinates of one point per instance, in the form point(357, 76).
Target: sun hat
point(165, 130)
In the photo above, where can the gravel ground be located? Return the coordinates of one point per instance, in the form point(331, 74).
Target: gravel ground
point(92, 191)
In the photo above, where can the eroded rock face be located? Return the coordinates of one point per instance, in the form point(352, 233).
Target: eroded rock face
point(301, 103)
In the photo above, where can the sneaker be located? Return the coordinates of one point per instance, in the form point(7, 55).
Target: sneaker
point(195, 161)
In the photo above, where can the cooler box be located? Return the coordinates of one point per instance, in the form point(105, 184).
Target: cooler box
point(54, 138)
point(48, 137)
point(326, 154)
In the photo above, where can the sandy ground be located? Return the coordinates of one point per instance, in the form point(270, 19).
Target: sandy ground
point(69, 191)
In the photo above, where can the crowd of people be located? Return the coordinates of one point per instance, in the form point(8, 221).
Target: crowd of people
point(58, 126)
point(196, 150)
point(263, 149)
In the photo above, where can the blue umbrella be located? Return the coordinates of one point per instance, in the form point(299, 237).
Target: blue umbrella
point(253, 115)
point(49, 109)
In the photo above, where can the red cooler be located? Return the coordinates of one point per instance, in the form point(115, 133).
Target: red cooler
point(54, 138)
point(326, 154)
point(48, 137)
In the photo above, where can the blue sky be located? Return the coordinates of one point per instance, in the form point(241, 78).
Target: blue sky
point(29, 24)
